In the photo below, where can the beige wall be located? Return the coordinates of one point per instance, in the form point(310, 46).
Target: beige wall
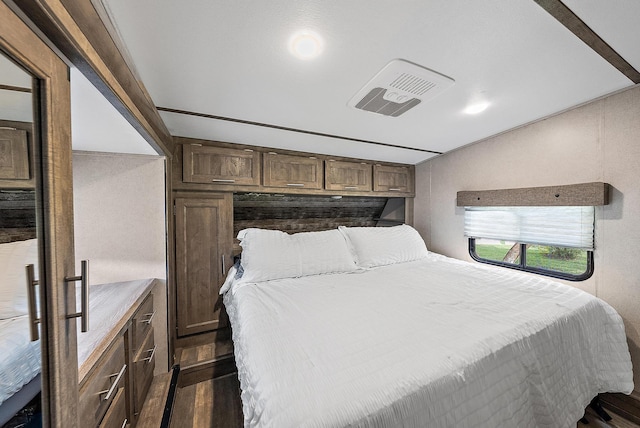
point(599, 141)
point(119, 215)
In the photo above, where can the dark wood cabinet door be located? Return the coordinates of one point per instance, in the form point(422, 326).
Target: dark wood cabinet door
point(203, 229)
point(349, 176)
point(391, 178)
point(292, 171)
point(220, 165)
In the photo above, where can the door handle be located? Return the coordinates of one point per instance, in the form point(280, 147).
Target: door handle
point(34, 320)
point(84, 290)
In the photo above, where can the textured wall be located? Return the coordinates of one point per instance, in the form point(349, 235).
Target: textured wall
point(119, 215)
point(599, 141)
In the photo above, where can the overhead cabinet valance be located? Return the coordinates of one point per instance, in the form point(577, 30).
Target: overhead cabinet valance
point(584, 194)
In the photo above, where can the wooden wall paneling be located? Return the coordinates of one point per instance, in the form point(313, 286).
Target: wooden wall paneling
point(17, 215)
point(584, 194)
point(349, 176)
point(298, 213)
point(77, 30)
point(203, 228)
point(54, 211)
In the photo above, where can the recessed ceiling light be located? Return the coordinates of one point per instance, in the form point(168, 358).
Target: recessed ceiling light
point(305, 45)
point(476, 108)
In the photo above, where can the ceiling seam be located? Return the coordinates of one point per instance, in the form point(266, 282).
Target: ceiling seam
point(286, 128)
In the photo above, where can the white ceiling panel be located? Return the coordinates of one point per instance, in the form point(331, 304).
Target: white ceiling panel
point(231, 59)
point(97, 126)
point(616, 22)
point(198, 127)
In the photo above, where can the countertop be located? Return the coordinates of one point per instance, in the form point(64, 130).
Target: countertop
point(110, 308)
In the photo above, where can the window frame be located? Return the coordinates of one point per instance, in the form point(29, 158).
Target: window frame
point(522, 264)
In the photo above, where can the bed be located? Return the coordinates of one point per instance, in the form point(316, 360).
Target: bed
point(20, 358)
point(364, 327)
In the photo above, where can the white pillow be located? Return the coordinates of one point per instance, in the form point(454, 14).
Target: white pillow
point(273, 254)
point(379, 246)
point(13, 278)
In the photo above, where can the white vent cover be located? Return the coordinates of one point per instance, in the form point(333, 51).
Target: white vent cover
point(398, 87)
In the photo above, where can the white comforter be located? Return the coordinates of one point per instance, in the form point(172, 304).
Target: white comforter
point(432, 343)
point(19, 357)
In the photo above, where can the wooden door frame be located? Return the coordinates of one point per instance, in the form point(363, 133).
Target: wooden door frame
point(54, 210)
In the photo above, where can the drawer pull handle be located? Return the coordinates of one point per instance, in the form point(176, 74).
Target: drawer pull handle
point(223, 180)
point(150, 357)
point(34, 320)
point(114, 386)
point(394, 189)
point(148, 320)
point(124, 423)
point(350, 187)
point(295, 184)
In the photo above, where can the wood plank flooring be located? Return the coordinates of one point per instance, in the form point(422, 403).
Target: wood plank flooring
point(212, 403)
point(216, 403)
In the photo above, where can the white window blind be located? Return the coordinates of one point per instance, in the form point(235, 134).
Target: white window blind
point(555, 226)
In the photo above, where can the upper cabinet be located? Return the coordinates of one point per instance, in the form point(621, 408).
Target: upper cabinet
point(226, 167)
point(292, 171)
point(349, 176)
point(207, 164)
point(14, 154)
point(390, 178)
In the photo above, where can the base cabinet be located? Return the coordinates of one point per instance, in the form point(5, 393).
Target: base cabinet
point(114, 390)
point(204, 241)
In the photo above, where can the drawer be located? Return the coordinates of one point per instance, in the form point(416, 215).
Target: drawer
point(116, 416)
point(102, 385)
point(144, 363)
point(141, 323)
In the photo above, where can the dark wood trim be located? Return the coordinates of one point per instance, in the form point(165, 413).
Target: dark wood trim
point(577, 26)
point(286, 128)
point(14, 88)
point(584, 194)
point(76, 29)
point(54, 211)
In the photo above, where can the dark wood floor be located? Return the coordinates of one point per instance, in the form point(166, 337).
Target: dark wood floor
point(212, 403)
point(216, 403)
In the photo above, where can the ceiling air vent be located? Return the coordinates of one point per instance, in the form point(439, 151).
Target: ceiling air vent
point(398, 87)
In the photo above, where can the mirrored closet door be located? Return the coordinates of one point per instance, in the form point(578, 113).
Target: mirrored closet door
point(38, 357)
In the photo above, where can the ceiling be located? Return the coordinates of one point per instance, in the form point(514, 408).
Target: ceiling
point(95, 124)
point(229, 62)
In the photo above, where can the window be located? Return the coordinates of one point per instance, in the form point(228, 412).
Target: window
point(552, 241)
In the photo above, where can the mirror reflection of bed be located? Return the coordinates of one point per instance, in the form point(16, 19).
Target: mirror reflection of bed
point(20, 359)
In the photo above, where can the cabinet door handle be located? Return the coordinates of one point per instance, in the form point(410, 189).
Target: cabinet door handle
point(114, 386)
point(394, 189)
point(295, 184)
point(84, 290)
point(124, 423)
point(33, 308)
point(150, 357)
point(224, 265)
point(148, 320)
point(350, 187)
point(223, 180)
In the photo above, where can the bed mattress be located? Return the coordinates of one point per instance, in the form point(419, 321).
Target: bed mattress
point(19, 357)
point(436, 342)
